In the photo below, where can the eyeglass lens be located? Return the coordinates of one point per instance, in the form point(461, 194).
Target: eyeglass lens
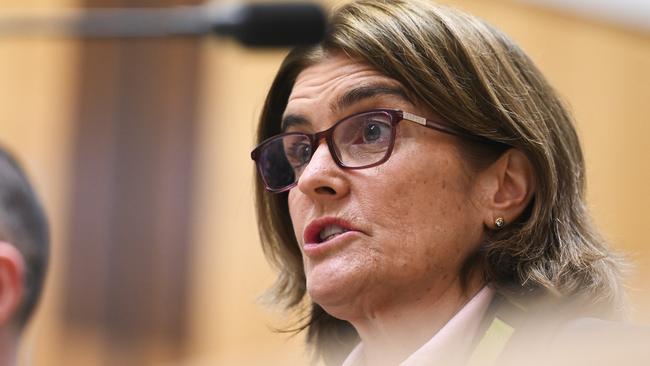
point(358, 141)
point(362, 140)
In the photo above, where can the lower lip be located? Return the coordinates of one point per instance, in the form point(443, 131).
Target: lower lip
point(313, 250)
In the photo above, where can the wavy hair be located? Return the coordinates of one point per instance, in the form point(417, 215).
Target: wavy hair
point(477, 79)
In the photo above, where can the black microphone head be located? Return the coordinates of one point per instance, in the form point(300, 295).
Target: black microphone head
point(275, 25)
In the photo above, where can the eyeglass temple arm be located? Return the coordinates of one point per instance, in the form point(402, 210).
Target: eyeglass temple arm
point(446, 129)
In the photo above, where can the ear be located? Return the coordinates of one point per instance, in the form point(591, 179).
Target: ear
point(511, 185)
point(12, 272)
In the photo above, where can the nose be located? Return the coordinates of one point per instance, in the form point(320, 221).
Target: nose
point(322, 178)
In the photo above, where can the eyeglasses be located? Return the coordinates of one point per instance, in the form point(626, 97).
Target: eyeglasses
point(358, 141)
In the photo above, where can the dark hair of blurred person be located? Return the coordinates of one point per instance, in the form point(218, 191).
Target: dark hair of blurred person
point(24, 248)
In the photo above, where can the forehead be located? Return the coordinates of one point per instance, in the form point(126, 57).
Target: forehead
point(322, 85)
point(334, 73)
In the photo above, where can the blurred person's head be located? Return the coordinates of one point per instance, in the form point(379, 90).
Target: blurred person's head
point(493, 192)
point(24, 247)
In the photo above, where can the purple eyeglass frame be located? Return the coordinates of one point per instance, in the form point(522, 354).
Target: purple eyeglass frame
point(396, 116)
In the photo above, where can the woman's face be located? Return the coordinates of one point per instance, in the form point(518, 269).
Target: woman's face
point(382, 236)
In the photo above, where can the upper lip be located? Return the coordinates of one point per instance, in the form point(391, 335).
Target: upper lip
point(312, 231)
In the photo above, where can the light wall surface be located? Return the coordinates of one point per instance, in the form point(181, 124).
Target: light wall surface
point(625, 13)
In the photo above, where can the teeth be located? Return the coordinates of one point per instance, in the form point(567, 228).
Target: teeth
point(330, 231)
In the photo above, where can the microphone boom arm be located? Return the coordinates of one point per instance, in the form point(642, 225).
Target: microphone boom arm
point(254, 25)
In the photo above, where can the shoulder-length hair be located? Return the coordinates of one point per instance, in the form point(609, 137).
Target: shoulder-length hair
point(476, 78)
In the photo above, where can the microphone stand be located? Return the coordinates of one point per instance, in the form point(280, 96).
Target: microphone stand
point(261, 25)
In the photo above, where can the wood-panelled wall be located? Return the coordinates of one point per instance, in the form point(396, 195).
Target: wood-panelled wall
point(601, 70)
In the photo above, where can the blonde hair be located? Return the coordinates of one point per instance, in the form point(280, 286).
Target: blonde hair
point(476, 78)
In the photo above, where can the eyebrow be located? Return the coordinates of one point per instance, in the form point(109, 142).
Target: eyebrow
point(362, 92)
point(348, 99)
point(291, 120)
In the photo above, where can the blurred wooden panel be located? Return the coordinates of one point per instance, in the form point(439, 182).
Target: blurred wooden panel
point(132, 193)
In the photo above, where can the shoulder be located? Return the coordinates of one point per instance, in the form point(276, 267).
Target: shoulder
point(592, 341)
point(555, 334)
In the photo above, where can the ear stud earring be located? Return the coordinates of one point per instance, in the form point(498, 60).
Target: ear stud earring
point(500, 222)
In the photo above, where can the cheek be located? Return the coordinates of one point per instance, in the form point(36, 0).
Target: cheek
point(423, 212)
point(420, 193)
point(296, 211)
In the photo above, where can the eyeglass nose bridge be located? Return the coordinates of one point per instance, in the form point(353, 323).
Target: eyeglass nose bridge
point(329, 141)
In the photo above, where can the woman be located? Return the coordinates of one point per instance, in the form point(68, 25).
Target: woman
point(421, 192)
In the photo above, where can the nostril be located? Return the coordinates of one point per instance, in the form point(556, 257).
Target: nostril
point(325, 190)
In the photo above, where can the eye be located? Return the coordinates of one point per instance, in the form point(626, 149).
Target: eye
point(375, 131)
point(362, 134)
point(371, 132)
point(299, 153)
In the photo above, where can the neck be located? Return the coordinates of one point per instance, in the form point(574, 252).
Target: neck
point(391, 334)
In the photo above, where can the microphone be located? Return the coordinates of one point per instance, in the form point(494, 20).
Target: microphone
point(255, 25)
point(264, 25)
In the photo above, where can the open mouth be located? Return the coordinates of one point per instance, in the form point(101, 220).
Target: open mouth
point(325, 229)
point(329, 232)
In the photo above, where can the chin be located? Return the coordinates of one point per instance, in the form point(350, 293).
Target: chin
point(331, 288)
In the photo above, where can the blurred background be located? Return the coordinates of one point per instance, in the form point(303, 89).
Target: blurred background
point(140, 152)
